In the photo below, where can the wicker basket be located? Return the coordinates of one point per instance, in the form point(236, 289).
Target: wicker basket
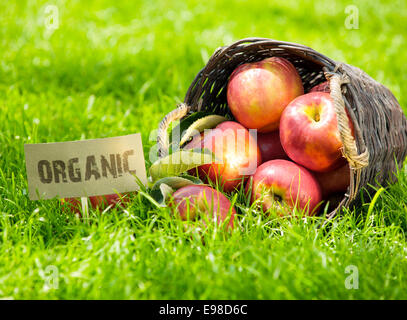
point(380, 143)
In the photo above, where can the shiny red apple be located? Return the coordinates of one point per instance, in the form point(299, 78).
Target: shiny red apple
point(270, 146)
point(284, 185)
point(237, 151)
point(309, 132)
point(192, 200)
point(322, 87)
point(335, 181)
point(258, 92)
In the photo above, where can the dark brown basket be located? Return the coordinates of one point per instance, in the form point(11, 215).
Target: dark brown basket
point(380, 143)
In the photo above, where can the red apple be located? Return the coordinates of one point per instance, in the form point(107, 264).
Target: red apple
point(258, 92)
point(309, 132)
point(237, 151)
point(191, 200)
point(283, 185)
point(102, 202)
point(270, 146)
point(322, 87)
point(71, 205)
point(109, 199)
point(334, 181)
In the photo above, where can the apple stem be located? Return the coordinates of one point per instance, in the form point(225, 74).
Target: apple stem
point(277, 198)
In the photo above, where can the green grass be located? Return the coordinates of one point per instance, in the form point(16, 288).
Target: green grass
point(117, 67)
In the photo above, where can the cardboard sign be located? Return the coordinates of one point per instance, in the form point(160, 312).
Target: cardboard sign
point(85, 168)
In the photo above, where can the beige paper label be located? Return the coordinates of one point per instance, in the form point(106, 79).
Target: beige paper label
point(85, 168)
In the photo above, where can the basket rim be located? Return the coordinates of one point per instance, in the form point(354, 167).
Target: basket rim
point(295, 48)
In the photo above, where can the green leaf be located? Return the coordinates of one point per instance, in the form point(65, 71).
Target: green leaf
point(161, 194)
point(179, 132)
point(194, 179)
point(164, 187)
point(177, 182)
point(179, 162)
point(200, 125)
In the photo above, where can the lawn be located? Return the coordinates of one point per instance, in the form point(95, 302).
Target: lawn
point(112, 68)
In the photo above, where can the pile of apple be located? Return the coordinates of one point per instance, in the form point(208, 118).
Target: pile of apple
point(293, 162)
point(297, 155)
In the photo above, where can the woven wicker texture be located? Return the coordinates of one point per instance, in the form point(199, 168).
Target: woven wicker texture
point(380, 143)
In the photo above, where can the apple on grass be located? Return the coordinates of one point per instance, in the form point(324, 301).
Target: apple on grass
point(284, 185)
point(309, 132)
point(71, 205)
point(270, 146)
point(335, 181)
point(109, 200)
point(75, 205)
point(190, 201)
point(237, 151)
point(258, 92)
